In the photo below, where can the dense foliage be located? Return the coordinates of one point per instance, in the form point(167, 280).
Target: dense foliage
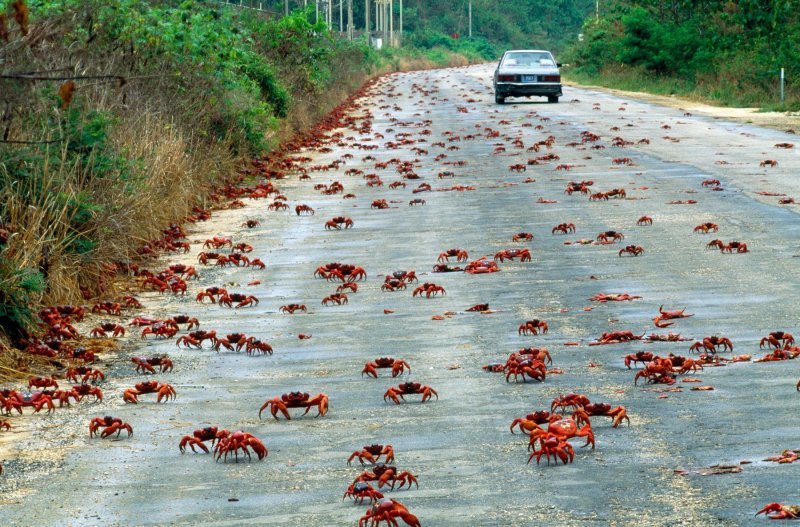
point(496, 24)
point(135, 110)
point(729, 51)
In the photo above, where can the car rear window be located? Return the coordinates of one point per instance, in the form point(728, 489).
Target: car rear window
point(528, 59)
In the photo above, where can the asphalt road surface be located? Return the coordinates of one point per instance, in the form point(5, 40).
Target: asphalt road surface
point(471, 470)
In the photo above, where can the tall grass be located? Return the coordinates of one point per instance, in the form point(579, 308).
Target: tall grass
point(85, 181)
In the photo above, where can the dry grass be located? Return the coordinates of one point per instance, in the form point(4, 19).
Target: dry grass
point(162, 122)
point(174, 175)
point(36, 209)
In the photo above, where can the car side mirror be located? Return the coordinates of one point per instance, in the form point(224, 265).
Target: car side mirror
point(558, 64)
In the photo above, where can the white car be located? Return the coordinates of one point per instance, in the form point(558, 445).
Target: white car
point(524, 72)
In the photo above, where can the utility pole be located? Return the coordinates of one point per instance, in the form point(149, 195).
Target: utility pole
point(341, 18)
point(366, 18)
point(330, 14)
point(316, 12)
point(391, 24)
point(470, 18)
point(385, 22)
point(401, 21)
point(597, 10)
point(350, 19)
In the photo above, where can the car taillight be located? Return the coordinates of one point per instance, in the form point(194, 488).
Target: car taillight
point(551, 78)
point(505, 78)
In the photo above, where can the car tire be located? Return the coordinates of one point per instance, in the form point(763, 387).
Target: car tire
point(552, 98)
point(499, 100)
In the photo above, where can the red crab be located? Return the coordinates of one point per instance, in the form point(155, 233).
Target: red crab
point(398, 366)
point(296, 400)
point(388, 475)
point(616, 337)
point(459, 254)
point(780, 354)
point(303, 209)
point(522, 236)
point(532, 327)
point(777, 339)
point(212, 293)
point(232, 443)
point(610, 236)
point(563, 228)
point(335, 298)
point(109, 425)
point(347, 286)
point(217, 242)
point(337, 222)
point(392, 284)
point(640, 356)
point(707, 227)
point(613, 297)
point(372, 453)
point(710, 344)
point(405, 276)
point(553, 441)
point(197, 439)
point(409, 388)
point(110, 308)
point(657, 371)
point(633, 250)
point(291, 308)
point(184, 319)
point(428, 289)
point(669, 315)
point(524, 255)
point(387, 510)
point(242, 299)
point(570, 400)
point(533, 368)
point(160, 330)
point(617, 414)
point(532, 421)
point(165, 391)
point(779, 511)
point(101, 330)
point(362, 490)
point(146, 364)
point(42, 382)
point(86, 372)
point(479, 266)
point(14, 400)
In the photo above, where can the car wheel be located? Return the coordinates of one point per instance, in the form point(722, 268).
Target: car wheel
point(552, 99)
point(499, 100)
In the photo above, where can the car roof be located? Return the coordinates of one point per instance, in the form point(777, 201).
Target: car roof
point(527, 51)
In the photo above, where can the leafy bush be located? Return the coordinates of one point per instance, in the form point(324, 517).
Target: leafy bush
point(176, 94)
point(728, 51)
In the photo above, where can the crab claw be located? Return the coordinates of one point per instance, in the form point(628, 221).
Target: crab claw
point(660, 324)
point(772, 507)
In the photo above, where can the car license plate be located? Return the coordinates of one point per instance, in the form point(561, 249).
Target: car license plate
point(529, 78)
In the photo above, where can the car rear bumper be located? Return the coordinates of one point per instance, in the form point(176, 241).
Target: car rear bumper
point(506, 89)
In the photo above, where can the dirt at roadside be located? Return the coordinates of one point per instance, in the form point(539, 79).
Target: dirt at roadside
point(783, 121)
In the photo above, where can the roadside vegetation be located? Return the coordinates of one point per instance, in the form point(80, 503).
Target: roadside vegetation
point(725, 52)
point(119, 116)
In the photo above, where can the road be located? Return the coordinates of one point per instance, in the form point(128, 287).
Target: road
point(471, 470)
